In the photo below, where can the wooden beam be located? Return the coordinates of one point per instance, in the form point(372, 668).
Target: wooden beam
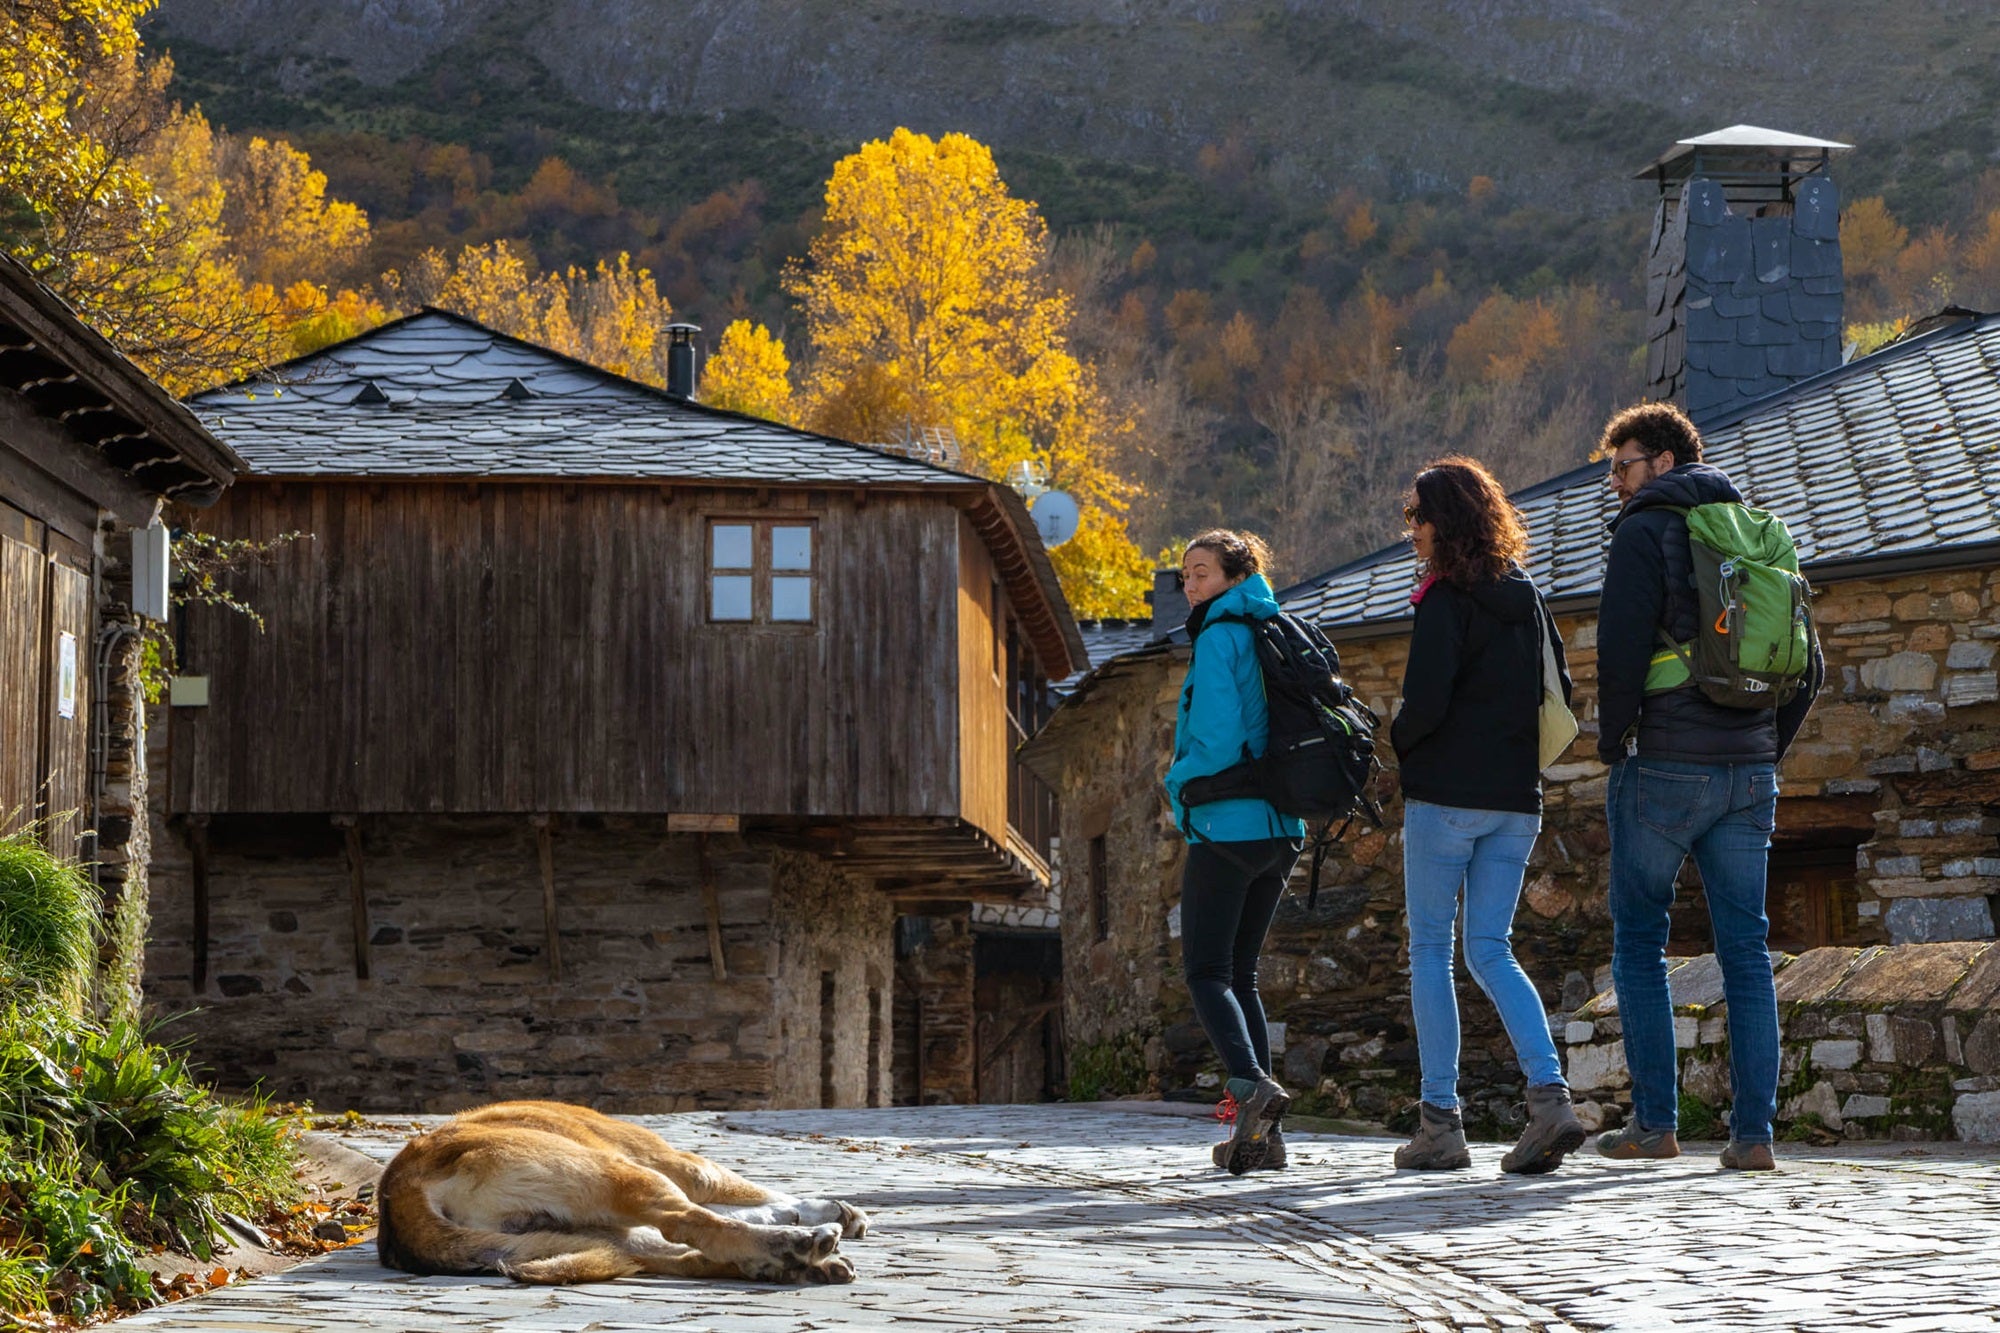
point(711, 906)
point(198, 873)
point(545, 841)
point(350, 826)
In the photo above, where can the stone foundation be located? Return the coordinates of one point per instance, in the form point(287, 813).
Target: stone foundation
point(460, 1005)
point(1897, 1042)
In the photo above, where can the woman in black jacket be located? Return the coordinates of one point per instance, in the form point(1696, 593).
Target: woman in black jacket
point(1468, 738)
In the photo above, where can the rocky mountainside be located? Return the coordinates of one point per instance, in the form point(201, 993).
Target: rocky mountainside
point(1558, 100)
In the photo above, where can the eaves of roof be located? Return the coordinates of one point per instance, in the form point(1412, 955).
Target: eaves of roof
point(190, 464)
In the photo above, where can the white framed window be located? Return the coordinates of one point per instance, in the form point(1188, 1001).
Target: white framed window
point(763, 571)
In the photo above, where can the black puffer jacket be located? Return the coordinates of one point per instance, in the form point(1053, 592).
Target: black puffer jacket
point(1469, 731)
point(1648, 583)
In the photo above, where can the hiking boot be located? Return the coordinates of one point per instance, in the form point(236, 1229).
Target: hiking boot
point(1259, 1107)
point(1553, 1131)
point(1439, 1144)
point(1748, 1157)
point(1274, 1152)
point(1632, 1143)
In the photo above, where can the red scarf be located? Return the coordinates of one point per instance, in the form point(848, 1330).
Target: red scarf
point(1417, 593)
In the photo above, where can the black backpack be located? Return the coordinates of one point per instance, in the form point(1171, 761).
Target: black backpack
point(1319, 763)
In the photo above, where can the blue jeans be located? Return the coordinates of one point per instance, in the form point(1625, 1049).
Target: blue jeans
point(1660, 811)
point(1486, 852)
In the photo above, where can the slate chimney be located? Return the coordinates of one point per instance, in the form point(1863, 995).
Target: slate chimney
point(1169, 602)
point(680, 360)
point(1743, 282)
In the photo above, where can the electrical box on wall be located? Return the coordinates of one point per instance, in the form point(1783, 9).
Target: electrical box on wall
point(152, 559)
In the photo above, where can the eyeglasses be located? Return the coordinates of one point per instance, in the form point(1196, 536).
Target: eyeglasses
point(1618, 465)
point(1414, 515)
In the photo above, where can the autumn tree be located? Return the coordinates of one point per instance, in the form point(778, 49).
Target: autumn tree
point(749, 372)
point(928, 303)
point(611, 316)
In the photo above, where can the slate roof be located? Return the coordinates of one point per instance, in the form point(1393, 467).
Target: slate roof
point(1892, 454)
point(437, 394)
point(1104, 640)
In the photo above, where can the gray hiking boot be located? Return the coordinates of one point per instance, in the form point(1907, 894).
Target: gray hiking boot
point(1274, 1152)
point(1553, 1131)
point(1439, 1144)
point(1632, 1142)
point(1748, 1157)
point(1257, 1114)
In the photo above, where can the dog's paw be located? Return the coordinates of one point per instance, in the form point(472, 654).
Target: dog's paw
point(833, 1271)
point(853, 1222)
point(825, 1240)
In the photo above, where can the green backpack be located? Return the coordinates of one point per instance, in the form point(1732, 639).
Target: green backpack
point(1755, 643)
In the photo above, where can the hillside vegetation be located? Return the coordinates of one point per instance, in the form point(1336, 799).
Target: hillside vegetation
point(1328, 238)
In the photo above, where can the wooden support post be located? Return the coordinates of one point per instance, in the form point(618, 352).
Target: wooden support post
point(350, 825)
point(711, 903)
point(545, 839)
point(198, 872)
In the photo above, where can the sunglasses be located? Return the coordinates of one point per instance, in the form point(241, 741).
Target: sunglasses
point(1618, 465)
point(1414, 515)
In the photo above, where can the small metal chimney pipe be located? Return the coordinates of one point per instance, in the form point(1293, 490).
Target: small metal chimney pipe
point(680, 360)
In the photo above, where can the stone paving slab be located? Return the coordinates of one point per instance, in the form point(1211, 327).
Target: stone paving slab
point(1068, 1218)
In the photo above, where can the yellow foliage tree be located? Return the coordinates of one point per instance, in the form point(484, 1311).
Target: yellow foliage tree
point(749, 372)
point(610, 316)
point(1502, 339)
point(279, 219)
point(928, 303)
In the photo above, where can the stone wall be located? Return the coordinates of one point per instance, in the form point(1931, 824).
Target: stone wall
point(460, 1006)
point(835, 962)
point(936, 1022)
point(1899, 1042)
point(1887, 834)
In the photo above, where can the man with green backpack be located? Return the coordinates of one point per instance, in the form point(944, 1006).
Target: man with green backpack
point(1707, 663)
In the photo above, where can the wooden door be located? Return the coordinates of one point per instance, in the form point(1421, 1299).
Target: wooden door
point(23, 606)
point(66, 691)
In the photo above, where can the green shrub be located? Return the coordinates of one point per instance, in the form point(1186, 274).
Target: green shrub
point(108, 1148)
point(1107, 1068)
point(1698, 1119)
point(48, 920)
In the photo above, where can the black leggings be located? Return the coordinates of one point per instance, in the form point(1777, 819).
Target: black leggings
point(1229, 894)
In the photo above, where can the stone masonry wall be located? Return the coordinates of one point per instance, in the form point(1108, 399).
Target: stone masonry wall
point(1895, 779)
point(460, 1007)
point(1899, 1042)
point(835, 962)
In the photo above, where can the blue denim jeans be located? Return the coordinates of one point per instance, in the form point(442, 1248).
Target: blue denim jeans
point(1485, 852)
point(1660, 811)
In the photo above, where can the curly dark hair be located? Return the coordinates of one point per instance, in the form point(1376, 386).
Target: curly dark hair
point(1655, 428)
point(1240, 554)
point(1478, 533)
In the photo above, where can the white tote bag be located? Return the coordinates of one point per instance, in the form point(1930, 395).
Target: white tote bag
point(1558, 723)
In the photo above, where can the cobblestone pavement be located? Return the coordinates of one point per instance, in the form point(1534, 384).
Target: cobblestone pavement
point(1030, 1218)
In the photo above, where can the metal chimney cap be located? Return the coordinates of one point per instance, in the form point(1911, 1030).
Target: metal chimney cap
point(1740, 141)
point(682, 332)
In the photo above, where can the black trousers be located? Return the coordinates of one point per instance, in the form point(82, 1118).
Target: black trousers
point(1229, 894)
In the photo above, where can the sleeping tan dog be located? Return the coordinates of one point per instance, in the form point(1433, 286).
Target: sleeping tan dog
point(548, 1192)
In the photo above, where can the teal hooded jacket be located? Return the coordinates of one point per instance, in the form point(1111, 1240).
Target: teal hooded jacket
point(1222, 717)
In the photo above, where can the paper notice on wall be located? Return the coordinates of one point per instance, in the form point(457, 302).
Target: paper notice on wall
point(66, 675)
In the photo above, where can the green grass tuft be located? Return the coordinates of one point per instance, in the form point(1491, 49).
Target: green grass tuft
point(48, 920)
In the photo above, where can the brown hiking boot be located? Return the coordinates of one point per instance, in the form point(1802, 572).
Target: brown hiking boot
point(1748, 1157)
point(1632, 1143)
point(1553, 1131)
point(1439, 1143)
point(1257, 1115)
point(1274, 1152)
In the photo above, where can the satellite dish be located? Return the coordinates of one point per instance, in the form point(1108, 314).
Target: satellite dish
point(1055, 516)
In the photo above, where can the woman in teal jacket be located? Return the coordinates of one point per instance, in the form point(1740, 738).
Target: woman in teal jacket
point(1240, 852)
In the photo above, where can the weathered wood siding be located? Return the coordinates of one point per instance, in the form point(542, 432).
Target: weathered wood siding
point(982, 694)
point(45, 593)
point(440, 647)
point(23, 600)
